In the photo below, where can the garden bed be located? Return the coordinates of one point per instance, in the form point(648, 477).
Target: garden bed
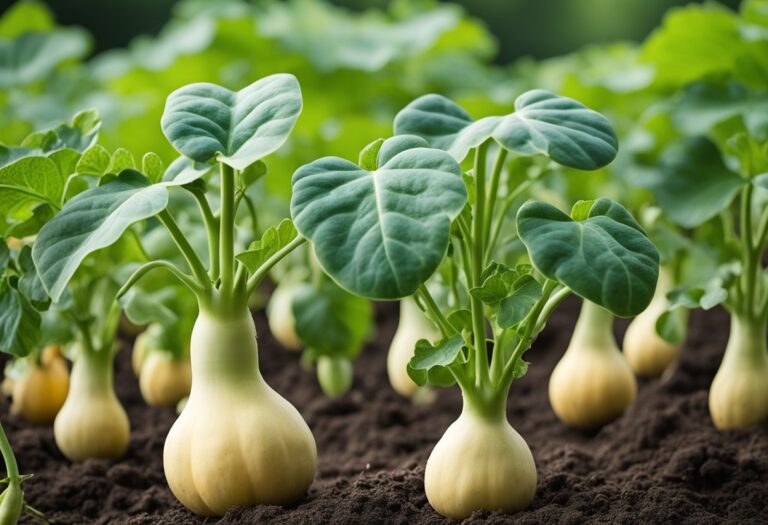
point(661, 462)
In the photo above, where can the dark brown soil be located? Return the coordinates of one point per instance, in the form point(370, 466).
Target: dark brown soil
point(662, 462)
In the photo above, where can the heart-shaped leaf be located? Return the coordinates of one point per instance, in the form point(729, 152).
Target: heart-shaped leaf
point(205, 121)
point(382, 233)
point(93, 220)
point(606, 258)
point(543, 123)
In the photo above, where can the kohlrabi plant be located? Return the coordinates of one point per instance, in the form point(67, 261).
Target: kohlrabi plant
point(720, 189)
point(48, 171)
point(231, 131)
point(382, 228)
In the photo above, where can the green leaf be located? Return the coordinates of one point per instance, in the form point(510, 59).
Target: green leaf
point(152, 166)
point(30, 284)
point(606, 259)
point(497, 283)
point(672, 326)
point(521, 368)
point(515, 308)
point(694, 184)
point(383, 233)
point(19, 322)
point(693, 41)
point(580, 210)
point(461, 320)
point(5, 255)
point(78, 135)
point(90, 221)
point(369, 155)
point(204, 121)
point(41, 214)
point(543, 123)
point(252, 173)
point(429, 364)
point(95, 160)
point(122, 159)
point(28, 182)
point(183, 171)
point(331, 321)
point(704, 105)
point(270, 243)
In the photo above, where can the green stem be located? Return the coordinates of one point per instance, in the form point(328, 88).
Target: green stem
point(227, 232)
point(197, 267)
point(437, 316)
point(552, 303)
point(212, 231)
point(526, 340)
point(264, 269)
point(748, 276)
point(478, 263)
point(184, 278)
point(11, 467)
point(493, 190)
point(501, 219)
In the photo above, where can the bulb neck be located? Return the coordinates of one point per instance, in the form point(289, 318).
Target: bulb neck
point(489, 406)
point(747, 342)
point(93, 372)
point(224, 351)
point(594, 329)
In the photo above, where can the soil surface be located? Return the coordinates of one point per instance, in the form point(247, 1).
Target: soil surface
point(662, 462)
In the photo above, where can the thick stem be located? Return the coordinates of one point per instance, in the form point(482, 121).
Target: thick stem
point(227, 231)
point(93, 372)
point(489, 404)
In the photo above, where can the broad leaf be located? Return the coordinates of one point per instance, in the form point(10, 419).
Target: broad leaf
point(694, 184)
point(28, 182)
point(429, 364)
point(379, 234)
point(90, 221)
point(270, 243)
point(543, 123)
point(30, 284)
point(205, 121)
point(606, 258)
point(33, 56)
point(19, 322)
point(331, 321)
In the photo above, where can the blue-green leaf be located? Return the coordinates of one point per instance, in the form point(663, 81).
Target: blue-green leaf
point(93, 220)
point(606, 259)
point(379, 233)
point(205, 121)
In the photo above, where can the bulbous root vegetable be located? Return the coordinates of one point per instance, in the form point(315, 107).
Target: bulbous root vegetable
point(592, 384)
point(165, 380)
point(738, 397)
point(412, 326)
point(647, 353)
point(481, 462)
point(40, 393)
point(92, 423)
point(282, 323)
point(237, 442)
point(335, 375)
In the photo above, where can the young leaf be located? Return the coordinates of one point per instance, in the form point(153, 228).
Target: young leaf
point(122, 159)
point(694, 184)
point(152, 166)
point(205, 121)
point(90, 221)
point(429, 364)
point(142, 307)
point(331, 321)
point(543, 123)
point(270, 243)
point(28, 182)
point(513, 309)
point(94, 161)
point(379, 234)
point(606, 258)
point(369, 154)
point(183, 171)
